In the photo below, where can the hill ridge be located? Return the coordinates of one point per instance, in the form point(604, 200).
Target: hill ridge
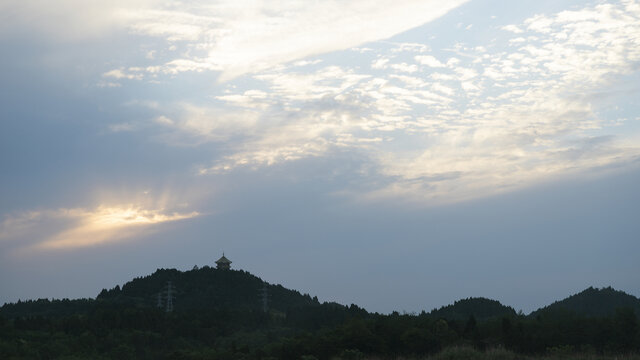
point(595, 302)
point(210, 287)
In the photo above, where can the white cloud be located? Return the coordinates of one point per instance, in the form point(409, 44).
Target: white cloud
point(256, 41)
point(381, 63)
point(164, 120)
point(513, 28)
point(197, 124)
point(404, 67)
point(488, 121)
point(499, 114)
point(121, 74)
point(247, 37)
point(429, 60)
point(539, 23)
point(233, 37)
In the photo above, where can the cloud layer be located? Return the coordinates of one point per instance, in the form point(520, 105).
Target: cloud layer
point(454, 123)
point(464, 118)
point(232, 37)
point(239, 37)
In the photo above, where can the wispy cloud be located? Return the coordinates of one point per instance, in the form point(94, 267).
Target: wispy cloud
point(107, 224)
point(232, 37)
point(80, 227)
point(246, 37)
point(457, 121)
point(492, 120)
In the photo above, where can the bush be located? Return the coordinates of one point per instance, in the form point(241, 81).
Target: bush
point(459, 353)
point(351, 354)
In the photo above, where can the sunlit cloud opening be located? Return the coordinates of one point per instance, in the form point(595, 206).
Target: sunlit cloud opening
point(106, 224)
point(81, 227)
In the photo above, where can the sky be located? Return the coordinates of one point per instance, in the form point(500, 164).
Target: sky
point(399, 155)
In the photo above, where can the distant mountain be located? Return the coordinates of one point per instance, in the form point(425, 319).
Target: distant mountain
point(480, 308)
point(593, 302)
point(206, 288)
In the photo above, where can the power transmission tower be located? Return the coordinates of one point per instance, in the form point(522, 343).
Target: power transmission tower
point(264, 297)
point(170, 291)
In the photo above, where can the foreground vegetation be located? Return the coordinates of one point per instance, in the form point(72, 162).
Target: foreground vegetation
point(219, 315)
point(469, 353)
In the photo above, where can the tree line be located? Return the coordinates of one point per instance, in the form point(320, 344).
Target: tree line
point(219, 315)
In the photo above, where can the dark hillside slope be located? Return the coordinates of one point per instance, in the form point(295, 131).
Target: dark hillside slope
point(593, 302)
point(480, 308)
point(206, 288)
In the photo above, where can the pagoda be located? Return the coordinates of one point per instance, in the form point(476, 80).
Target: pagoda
point(223, 263)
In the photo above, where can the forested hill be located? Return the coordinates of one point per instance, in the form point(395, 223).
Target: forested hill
point(593, 302)
point(206, 288)
point(226, 294)
point(220, 314)
point(479, 308)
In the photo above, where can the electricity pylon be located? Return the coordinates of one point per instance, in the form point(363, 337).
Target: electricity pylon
point(170, 291)
point(264, 297)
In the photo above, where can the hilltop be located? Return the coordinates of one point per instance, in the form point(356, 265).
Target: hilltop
point(593, 302)
point(480, 308)
point(206, 288)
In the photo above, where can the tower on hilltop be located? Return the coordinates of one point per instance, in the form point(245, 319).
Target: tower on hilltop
point(223, 263)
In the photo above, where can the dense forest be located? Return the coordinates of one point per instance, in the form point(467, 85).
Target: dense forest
point(227, 314)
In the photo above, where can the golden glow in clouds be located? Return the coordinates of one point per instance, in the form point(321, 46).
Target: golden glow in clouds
point(89, 227)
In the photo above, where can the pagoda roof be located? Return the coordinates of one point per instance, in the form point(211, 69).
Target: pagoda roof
point(223, 260)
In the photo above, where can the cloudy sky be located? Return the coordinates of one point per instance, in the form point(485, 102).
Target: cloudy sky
point(395, 154)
